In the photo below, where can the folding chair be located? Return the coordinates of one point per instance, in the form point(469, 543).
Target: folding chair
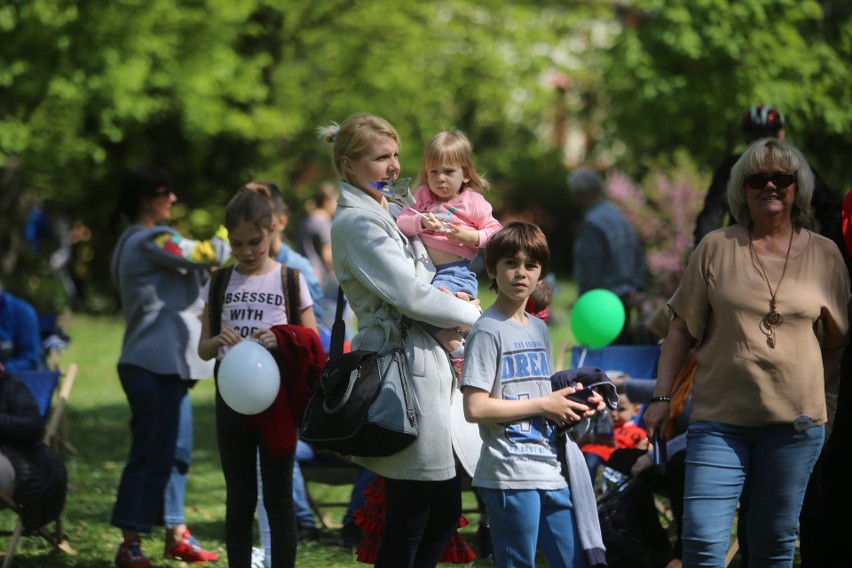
point(638, 361)
point(53, 338)
point(51, 389)
point(328, 472)
point(56, 433)
point(43, 385)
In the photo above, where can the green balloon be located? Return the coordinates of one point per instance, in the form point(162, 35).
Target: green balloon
point(597, 318)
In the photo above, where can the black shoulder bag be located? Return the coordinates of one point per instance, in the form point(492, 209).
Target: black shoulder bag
point(364, 404)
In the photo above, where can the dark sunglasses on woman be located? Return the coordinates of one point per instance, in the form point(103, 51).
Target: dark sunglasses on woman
point(779, 180)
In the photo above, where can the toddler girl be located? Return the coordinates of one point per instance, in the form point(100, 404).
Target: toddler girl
point(456, 220)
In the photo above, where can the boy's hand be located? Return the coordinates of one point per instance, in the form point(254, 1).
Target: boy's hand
point(596, 403)
point(558, 408)
point(593, 405)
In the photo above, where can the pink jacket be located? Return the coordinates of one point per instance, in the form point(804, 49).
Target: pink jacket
point(469, 209)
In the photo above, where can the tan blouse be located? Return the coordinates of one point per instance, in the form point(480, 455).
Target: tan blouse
point(723, 297)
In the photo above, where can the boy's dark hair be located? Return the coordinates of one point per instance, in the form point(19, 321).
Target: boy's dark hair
point(514, 237)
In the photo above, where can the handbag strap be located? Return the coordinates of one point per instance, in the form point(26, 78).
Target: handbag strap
point(338, 328)
point(292, 295)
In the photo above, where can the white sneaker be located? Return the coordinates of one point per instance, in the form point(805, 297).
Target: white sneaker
point(258, 558)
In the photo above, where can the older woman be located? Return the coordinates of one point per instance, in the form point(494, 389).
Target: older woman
point(387, 277)
point(765, 303)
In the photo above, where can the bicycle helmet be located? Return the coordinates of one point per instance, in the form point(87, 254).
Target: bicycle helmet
point(763, 117)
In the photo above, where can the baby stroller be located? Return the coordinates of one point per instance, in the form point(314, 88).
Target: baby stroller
point(630, 525)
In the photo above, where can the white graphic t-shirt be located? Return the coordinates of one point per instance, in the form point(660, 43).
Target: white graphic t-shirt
point(256, 302)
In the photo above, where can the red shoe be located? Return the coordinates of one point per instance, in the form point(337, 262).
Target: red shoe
point(189, 550)
point(130, 555)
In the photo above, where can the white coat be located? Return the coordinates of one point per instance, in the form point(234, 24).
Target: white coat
point(385, 275)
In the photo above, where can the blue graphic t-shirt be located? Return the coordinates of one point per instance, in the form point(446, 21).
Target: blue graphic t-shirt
point(513, 361)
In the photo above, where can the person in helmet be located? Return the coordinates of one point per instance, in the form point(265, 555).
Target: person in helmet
point(761, 121)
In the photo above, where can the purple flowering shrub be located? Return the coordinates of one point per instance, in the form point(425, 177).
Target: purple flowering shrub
point(663, 209)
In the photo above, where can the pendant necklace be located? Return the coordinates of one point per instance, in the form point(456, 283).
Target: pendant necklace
point(774, 318)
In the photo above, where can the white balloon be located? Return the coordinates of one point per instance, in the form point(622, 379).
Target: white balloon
point(248, 378)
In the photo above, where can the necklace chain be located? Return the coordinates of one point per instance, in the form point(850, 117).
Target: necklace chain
point(774, 318)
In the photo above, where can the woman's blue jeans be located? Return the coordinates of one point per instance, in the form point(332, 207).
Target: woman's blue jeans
point(777, 460)
point(175, 494)
point(155, 412)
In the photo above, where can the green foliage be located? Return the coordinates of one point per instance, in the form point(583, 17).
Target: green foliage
point(682, 72)
point(214, 89)
point(211, 90)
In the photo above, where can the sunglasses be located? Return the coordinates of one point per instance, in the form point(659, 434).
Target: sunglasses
point(779, 180)
point(161, 191)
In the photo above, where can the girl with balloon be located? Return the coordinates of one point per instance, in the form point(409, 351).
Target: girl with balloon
point(252, 304)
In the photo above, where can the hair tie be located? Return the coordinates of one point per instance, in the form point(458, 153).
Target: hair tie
point(334, 130)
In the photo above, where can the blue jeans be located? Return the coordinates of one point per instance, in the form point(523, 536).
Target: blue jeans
point(456, 277)
point(777, 460)
point(520, 519)
point(173, 504)
point(304, 515)
point(357, 498)
point(155, 403)
point(594, 463)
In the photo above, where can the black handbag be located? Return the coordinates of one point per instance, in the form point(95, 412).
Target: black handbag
point(363, 404)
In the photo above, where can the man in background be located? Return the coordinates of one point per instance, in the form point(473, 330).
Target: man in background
point(607, 251)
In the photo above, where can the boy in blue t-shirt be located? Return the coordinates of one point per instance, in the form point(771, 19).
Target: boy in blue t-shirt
point(507, 391)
